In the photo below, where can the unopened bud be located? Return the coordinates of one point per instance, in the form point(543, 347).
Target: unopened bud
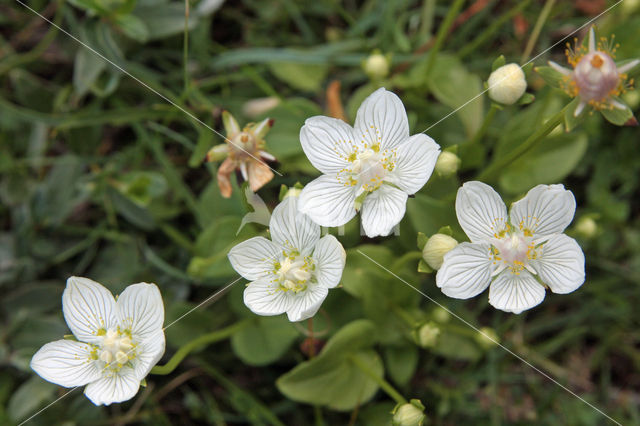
point(587, 227)
point(435, 249)
point(376, 66)
point(487, 337)
point(448, 164)
point(257, 107)
point(507, 84)
point(427, 335)
point(441, 315)
point(409, 414)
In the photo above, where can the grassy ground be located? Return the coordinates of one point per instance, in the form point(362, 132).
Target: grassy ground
point(103, 175)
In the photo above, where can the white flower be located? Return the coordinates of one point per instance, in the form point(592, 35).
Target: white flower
point(518, 254)
point(294, 272)
point(117, 342)
point(371, 167)
point(507, 84)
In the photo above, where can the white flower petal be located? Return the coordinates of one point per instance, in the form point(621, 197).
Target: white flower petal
point(515, 293)
point(383, 209)
point(254, 258)
point(141, 310)
point(291, 228)
point(382, 120)
point(480, 211)
point(266, 298)
point(66, 363)
point(327, 142)
point(416, 159)
point(328, 202)
point(545, 210)
point(88, 307)
point(561, 264)
point(305, 304)
point(114, 387)
point(466, 270)
point(148, 354)
point(329, 257)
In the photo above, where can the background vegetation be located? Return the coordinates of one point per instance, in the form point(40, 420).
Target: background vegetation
point(101, 177)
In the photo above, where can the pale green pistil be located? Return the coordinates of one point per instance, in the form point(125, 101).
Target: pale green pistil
point(294, 273)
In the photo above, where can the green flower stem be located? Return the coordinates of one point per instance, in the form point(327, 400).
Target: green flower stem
point(542, 18)
point(185, 47)
point(406, 258)
point(473, 45)
point(404, 315)
point(485, 124)
point(384, 385)
point(442, 33)
point(501, 162)
point(196, 343)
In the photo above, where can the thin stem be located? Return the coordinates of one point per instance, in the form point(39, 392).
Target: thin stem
point(312, 343)
point(185, 47)
point(544, 14)
point(501, 162)
point(384, 385)
point(442, 33)
point(196, 343)
point(426, 24)
point(473, 45)
point(485, 124)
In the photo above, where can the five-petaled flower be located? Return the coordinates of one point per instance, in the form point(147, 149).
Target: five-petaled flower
point(244, 150)
point(518, 254)
point(294, 272)
point(371, 167)
point(596, 79)
point(117, 342)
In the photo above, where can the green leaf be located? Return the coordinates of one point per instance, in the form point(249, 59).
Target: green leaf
point(59, 194)
point(401, 362)
point(133, 27)
point(358, 334)
point(264, 341)
point(552, 77)
point(163, 20)
point(29, 397)
point(454, 86)
point(429, 214)
point(307, 77)
point(549, 162)
point(132, 212)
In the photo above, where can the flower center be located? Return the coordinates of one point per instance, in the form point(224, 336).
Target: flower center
point(368, 169)
point(243, 142)
point(596, 76)
point(513, 250)
point(294, 272)
point(116, 349)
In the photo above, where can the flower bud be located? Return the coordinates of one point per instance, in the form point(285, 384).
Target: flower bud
point(487, 337)
point(447, 164)
point(376, 66)
point(587, 227)
point(507, 84)
point(441, 315)
point(427, 335)
point(256, 107)
point(409, 414)
point(435, 249)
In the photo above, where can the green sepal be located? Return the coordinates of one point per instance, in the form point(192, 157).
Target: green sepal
point(452, 149)
point(619, 117)
point(500, 61)
point(526, 99)
point(570, 120)
point(360, 199)
point(143, 383)
point(70, 337)
point(424, 268)
point(446, 230)
point(422, 240)
point(283, 191)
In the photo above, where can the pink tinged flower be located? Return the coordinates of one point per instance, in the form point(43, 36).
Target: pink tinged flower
point(117, 342)
point(372, 167)
point(515, 255)
point(243, 151)
point(595, 78)
point(293, 271)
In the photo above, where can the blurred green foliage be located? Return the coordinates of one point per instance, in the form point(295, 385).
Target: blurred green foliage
point(101, 177)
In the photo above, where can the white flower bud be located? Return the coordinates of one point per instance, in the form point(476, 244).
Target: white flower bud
point(447, 164)
point(409, 414)
point(587, 227)
point(428, 335)
point(376, 66)
point(507, 84)
point(259, 106)
point(487, 337)
point(435, 249)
